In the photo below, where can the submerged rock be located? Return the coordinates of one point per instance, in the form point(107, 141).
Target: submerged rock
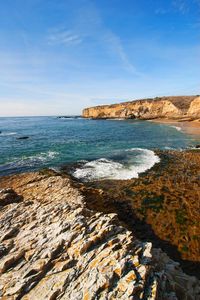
point(53, 247)
point(23, 138)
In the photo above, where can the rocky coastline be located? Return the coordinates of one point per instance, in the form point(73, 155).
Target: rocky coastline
point(180, 108)
point(62, 239)
point(162, 205)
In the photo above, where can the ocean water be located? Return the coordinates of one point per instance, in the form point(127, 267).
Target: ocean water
point(100, 148)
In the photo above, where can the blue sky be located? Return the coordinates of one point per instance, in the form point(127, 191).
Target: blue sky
point(57, 57)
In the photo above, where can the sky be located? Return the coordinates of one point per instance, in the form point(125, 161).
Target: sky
point(58, 57)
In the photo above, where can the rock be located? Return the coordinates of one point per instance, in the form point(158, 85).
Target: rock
point(57, 248)
point(8, 196)
point(68, 117)
point(23, 138)
point(197, 146)
point(180, 107)
point(155, 208)
point(194, 110)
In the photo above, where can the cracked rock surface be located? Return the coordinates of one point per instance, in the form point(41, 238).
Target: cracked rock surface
point(53, 247)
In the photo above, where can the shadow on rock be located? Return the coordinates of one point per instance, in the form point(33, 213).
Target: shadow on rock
point(8, 196)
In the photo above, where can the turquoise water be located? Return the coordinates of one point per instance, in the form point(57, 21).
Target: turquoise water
point(104, 148)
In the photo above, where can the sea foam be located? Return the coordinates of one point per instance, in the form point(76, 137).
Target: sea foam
point(176, 127)
point(109, 169)
point(29, 161)
point(8, 133)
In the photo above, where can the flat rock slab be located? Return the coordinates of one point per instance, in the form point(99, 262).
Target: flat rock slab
point(53, 247)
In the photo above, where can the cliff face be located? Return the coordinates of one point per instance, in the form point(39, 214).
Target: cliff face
point(165, 107)
point(194, 109)
point(53, 247)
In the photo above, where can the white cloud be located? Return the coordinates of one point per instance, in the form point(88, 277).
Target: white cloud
point(116, 46)
point(181, 5)
point(90, 24)
point(65, 37)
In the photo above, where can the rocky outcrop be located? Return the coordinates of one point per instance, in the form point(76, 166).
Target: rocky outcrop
point(53, 247)
point(8, 196)
point(182, 107)
point(194, 110)
point(162, 205)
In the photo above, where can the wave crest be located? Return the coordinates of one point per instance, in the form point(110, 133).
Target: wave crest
point(137, 161)
point(29, 161)
point(8, 133)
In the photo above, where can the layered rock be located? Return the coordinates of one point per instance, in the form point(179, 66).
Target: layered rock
point(194, 110)
point(53, 247)
point(162, 205)
point(182, 107)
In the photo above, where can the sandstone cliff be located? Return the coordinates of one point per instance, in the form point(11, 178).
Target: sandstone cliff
point(182, 107)
point(53, 247)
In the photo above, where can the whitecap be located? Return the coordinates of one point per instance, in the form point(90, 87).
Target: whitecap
point(116, 119)
point(29, 161)
point(70, 118)
point(8, 133)
point(176, 127)
point(141, 160)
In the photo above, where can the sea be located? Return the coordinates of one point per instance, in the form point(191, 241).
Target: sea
point(95, 149)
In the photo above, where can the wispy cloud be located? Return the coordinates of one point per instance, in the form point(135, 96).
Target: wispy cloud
point(91, 25)
point(114, 42)
point(181, 5)
point(174, 6)
point(65, 37)
point(161, 11)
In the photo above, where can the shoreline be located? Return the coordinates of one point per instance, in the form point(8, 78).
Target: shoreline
point(160, 206)
point(56, 241)
point(58, 227)
point(188, 127)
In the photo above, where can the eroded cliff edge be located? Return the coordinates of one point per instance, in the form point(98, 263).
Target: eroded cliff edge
point(53, 247)
point(177, 108)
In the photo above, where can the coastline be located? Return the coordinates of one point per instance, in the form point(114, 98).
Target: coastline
point(188, 127)
point(62, 231)
point(161, 205)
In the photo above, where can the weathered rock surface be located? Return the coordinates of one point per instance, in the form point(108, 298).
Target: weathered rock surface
point(165, 199)
point(53, 247)
point(8, 196)
point(194, 109)
point(182, 107)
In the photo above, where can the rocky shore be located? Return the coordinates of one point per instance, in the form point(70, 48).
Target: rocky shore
point(161, 206)
point(61, 239)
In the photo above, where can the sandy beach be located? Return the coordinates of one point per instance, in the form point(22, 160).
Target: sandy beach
point(189, 127)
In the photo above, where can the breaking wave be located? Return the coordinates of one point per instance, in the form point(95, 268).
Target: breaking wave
point(29, 161)
point(8, 133)
point(134, 162)
point(176, 127)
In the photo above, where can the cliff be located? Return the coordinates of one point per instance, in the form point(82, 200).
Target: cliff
point(53, 247)
point(180, 108)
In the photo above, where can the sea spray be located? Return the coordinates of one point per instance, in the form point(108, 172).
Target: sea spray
point(140, 161)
